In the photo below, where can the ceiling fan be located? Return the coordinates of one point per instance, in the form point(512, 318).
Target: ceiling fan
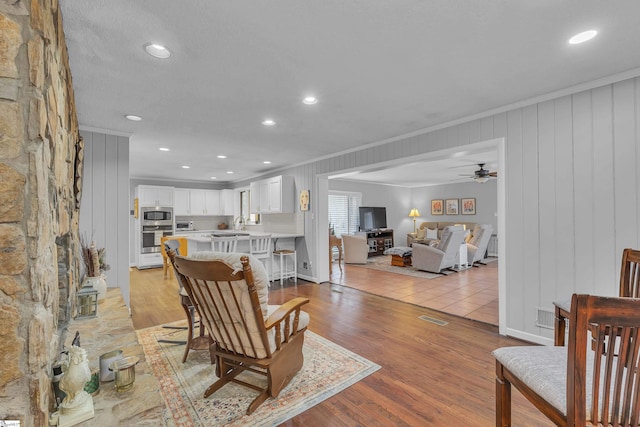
point(482, 175)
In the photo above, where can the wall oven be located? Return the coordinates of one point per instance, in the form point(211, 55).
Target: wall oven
point(155, 224)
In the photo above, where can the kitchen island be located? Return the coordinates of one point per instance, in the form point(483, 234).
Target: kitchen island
point(201, 241)
point(198, 241)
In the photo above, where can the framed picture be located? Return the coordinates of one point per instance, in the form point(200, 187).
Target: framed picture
point(452, 206)
point(468, 206)
point(437, 207)
point(304, 200)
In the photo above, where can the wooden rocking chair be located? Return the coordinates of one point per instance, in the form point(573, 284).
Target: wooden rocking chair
point(248, 334)
point(579, 384)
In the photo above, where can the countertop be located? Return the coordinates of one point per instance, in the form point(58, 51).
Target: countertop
point(205, 235)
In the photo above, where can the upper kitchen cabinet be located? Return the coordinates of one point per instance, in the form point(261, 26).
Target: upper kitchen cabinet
point(152, 195)
point(274, 195)
point(254, 197)
point(181, 201)
point(230, 202)
point(205, 202)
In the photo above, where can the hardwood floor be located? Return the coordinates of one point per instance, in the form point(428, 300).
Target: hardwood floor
point(430, 374)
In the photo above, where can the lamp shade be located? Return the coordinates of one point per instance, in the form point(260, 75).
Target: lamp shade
point(414, 213)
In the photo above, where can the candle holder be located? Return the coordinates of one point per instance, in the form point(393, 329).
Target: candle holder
point(125, 371)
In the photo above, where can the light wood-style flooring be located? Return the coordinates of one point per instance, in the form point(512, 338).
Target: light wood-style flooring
point(430, 375)
point(471, 293)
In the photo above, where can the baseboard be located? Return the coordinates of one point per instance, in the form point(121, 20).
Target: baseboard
point(307, 278)
point(537, 339)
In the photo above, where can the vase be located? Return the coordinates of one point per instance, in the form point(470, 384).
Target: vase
point(98, 283)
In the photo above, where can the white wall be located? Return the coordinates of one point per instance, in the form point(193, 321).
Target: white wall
point(486, 196)
point(104, 209)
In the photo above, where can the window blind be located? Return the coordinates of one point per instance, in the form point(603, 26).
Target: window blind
point(344, 216)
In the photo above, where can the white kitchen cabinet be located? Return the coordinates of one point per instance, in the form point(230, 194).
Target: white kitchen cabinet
point(181, 201)
point(273, 195)
point(151, 195)
point(254, 197)
point(205, 202)
point(230, 202)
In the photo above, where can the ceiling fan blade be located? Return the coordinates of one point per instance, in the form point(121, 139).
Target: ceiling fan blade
point(493, 174)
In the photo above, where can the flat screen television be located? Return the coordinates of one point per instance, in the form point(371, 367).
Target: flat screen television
point(372, 218)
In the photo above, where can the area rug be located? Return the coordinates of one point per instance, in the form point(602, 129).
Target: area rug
point(383, 263)
point(328, 369)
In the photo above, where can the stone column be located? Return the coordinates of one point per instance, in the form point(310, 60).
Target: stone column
point(38, 217)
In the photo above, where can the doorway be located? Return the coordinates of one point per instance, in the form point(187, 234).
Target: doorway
point(498, 144)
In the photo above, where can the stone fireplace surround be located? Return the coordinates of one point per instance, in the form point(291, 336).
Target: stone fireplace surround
point(40, 175)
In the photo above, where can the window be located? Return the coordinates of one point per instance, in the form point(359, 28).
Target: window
point(343, 212)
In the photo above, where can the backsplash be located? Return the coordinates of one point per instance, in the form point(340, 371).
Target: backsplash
point(207, 222)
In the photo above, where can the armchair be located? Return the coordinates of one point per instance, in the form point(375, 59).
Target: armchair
point(579, 384)
point(229, 291)
point(443, 256)
point(477, 246)
point(356, 249)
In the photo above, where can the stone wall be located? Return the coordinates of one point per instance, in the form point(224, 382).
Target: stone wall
point(39, 261)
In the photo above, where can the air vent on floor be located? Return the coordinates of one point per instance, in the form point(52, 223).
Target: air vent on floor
point(432, 320)
point(545, 318)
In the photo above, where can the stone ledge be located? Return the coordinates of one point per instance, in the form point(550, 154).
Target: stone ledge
point(112, 330)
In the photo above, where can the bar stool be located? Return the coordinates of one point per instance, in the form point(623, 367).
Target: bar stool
point(284, 272)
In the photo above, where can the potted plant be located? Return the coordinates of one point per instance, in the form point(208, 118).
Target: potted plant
point(95, 265)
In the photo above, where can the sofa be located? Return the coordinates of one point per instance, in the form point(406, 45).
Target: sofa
point(428, 232)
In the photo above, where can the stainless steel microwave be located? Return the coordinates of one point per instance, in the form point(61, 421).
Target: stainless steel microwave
point(157, 214)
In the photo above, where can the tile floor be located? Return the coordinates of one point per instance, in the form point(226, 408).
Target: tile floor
point(472, 293)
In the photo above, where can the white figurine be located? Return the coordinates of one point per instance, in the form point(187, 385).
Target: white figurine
point(77, 406)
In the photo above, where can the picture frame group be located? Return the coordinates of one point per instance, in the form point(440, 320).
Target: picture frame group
point(466, 206)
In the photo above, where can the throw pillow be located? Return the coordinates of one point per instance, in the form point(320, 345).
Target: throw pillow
point(432, 234)
point(420, 234)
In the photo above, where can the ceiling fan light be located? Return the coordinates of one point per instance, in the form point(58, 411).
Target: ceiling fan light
point(481, 179)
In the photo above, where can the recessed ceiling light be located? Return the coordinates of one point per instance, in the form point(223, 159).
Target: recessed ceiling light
point(229, 171)
point(583, 37)
point(310, 100)
point(213, 177)
point(268, 122)
point(157, 50)
point(186, 167)
point(133, 118)
point(267, 162)
point(163, 149)
point(221, 156)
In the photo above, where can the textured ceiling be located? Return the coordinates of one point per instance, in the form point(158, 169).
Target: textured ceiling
point(379, 69)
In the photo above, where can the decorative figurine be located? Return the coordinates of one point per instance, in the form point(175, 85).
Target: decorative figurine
point(77, 406)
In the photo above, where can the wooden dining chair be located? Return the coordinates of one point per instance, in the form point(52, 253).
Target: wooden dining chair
point(579, 384)
point(629, 288)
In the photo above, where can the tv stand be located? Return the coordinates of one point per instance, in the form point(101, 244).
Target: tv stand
point(378, 240)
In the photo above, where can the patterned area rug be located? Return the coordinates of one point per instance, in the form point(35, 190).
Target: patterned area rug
point(383, 263)
point(327, 370)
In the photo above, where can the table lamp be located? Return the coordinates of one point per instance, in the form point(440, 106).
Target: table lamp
point(413, 214)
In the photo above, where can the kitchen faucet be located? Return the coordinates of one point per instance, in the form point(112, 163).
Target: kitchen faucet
point(238, 223)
